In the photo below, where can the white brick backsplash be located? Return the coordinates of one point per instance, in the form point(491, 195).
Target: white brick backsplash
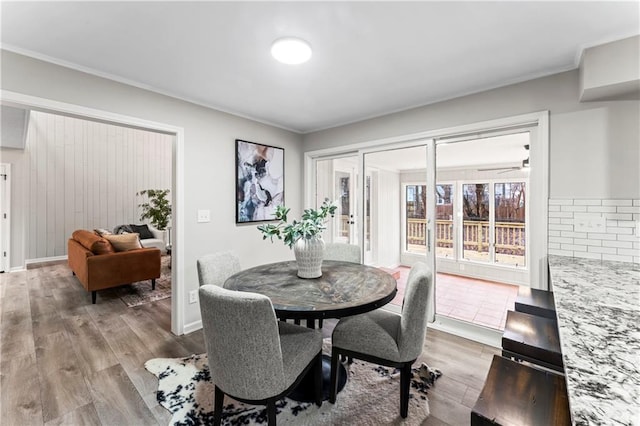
point(602, 209)
point(560, 214)
point(629, 252)
point(571, 234)
point(595, 236)
point(561, 240)
point(607, 250)
point(573, 247)
point(561, 252)
point(587, 202)
point(618, 216)
point(578, 214)
point(618, 241)
point(618, 244)
point(628, 209)
point(586, 242)
point(561, 202)
point(554, 227)
point(617, 258)
point(617, 202)
point(618, 230)
point(575, 208)
point(626, 224)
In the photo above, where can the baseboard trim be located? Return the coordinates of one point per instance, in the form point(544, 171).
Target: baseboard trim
point(192, 326)
point(477, 333)
point(45, 259)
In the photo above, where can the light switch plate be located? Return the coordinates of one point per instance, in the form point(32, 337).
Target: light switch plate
point(204, 216)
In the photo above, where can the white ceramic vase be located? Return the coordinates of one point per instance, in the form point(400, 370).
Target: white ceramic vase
point(309, 254)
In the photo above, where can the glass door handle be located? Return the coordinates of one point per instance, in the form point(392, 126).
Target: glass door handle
point(429, 240)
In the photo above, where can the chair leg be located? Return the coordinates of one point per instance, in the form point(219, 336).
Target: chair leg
point(333, 389)
point(218, 406)
point(405, 382)
point(94, 295)
point(153, 284)
point(318, 379)
point(271, 412)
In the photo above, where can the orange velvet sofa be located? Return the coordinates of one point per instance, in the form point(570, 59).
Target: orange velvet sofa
point(98, 266)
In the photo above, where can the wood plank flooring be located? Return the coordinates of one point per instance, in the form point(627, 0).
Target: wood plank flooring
point(66, 361)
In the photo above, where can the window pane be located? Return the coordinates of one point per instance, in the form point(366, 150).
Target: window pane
point(510, 223)
point(416, 218)
point(475, 208)
point(444, 220)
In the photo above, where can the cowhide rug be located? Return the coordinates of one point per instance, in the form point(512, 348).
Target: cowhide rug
point(371, 396)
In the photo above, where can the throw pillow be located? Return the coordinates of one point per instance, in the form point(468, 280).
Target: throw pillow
point(143, 230)
point(124, 242)
point(93, 242)
point(102, 231)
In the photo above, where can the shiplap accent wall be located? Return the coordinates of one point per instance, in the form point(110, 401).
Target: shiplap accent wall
point(85, 174)
point(619, 241)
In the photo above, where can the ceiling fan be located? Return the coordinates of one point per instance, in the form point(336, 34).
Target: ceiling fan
point(506, 169)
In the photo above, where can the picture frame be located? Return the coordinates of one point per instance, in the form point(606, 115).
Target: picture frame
point(259, 181)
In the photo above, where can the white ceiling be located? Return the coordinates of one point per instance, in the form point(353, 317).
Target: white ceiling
point(369, 58)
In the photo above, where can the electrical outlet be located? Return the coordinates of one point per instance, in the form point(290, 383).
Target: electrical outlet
point(590, 224)
point(193, 296)
point(204, 215)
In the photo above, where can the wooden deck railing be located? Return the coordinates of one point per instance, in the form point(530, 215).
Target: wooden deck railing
point(509, 236)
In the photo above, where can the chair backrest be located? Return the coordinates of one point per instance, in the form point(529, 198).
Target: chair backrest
point(342, 252)
point(413, 323)
point(243, 344)
point(215, 268)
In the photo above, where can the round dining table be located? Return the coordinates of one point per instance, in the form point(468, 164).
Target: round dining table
point(344, 289)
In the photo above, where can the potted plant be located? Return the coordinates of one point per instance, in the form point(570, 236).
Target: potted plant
point(304, 236)
point(157, 207)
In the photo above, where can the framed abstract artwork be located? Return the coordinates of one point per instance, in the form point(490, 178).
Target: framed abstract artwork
point(259, 181)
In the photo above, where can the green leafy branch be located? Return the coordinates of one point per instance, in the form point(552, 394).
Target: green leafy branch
point(311, 223)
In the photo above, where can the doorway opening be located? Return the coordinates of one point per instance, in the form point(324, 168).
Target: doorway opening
point(18, 100)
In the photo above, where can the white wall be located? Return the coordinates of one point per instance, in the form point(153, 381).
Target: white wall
point(209, 145)
point(594, 147)
point(77, 174)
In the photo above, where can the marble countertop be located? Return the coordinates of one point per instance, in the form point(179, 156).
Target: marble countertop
point(598, 308)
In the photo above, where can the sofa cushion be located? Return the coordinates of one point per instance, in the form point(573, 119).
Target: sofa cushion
point(124, 242)
point(92, 242)
point(143, 231)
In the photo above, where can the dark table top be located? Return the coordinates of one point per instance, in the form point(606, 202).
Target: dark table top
point(343, 289)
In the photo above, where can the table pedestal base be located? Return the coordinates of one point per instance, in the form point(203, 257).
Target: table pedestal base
point(304, 392)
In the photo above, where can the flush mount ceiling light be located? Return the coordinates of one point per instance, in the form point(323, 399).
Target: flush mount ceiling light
point(291, 50)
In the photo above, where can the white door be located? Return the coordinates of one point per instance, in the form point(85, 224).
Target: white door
point(384, 206)
point(337, 180)
point(5, 170)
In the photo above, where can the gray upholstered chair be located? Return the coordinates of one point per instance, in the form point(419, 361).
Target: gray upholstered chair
point(343, 252)
point(253, 357)
point(215, 268)
point(386, 338)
